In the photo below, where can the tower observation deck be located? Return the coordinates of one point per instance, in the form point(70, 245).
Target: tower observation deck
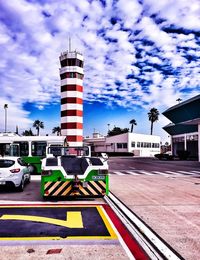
point(71, 75)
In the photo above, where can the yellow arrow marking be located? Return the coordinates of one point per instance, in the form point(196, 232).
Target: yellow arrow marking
point(73, 219)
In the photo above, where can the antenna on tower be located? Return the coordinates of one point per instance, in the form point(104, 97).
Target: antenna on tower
point(69, 44)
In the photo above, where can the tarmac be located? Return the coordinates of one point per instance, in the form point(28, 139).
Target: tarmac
point(169, 205)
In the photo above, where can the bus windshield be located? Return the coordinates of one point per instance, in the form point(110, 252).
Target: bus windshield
point(76, 151)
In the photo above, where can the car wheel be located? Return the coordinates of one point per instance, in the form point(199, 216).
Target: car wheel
point(21, 186)
point(32, 169)
point(29, 179)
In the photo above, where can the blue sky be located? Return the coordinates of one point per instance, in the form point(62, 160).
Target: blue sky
point(138, 54)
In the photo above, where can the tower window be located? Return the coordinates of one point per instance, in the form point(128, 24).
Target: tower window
point(71, 62)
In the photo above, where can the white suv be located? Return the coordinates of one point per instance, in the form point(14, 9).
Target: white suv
point(14, 171)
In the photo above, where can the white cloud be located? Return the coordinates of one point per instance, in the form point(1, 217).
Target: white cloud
point(182, 13)
point(16, 116)
point(32, 36)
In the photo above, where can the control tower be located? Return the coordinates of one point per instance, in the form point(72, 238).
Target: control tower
point(71, 75)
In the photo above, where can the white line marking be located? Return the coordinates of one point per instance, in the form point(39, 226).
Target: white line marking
point(189, 173)
point(161, 173)
point(196, 171)
point(35, 177)
point(119, 173)
point(176, 173)
point(145, 172)
point(133, 173)
point(146, 231)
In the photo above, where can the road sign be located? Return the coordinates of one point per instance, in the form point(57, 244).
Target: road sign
point(48, 222)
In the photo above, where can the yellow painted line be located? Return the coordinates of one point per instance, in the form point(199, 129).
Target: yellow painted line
point(48, 206)
point(56, 238)
point(73, 219)
point(29, 238)
point(92, 237)
point(106, 222)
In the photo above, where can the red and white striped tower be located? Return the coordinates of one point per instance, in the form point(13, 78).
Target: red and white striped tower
point(71, 75)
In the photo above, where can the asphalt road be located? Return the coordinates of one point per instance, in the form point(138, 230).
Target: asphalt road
point(165, 195)
point(117, 166)
point(151, 164)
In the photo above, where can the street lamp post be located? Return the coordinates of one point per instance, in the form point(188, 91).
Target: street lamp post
point(108, 127)
point(5, 107)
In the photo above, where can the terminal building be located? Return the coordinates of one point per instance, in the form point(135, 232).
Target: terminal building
point(137, 144)
point(185, 127)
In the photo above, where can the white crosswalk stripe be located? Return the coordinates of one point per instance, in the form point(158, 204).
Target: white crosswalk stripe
point(145, 172)
point(184, 172)
point(119, 173)
point(151, 173)
point(195, 171)
point(161, 173)
point(132, 173)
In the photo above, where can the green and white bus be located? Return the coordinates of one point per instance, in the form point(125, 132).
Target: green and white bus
point(31, 148)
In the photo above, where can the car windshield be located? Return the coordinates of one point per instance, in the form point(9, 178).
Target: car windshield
point(6, 163)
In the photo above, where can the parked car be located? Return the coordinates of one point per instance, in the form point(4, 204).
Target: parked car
point(164, 156)
point(14, 172)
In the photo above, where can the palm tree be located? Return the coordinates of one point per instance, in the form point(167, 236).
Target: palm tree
point(153, 117)
point(28, 132)
point(56, 130)
point(38, 124)
point(132, 122)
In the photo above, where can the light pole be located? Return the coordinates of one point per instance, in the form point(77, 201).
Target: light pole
point(5, 107)
point(108, 127)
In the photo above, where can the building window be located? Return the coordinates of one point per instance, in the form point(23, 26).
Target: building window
point(121, 145)
point(72, 62)
point(133, 144)
point(63, 76)
point(155, 145)
point(79, 76)
point(147, 145)
point(138, 144)
point(192, 137)
point(72, 75)
point(178, 139)
point(79, 63)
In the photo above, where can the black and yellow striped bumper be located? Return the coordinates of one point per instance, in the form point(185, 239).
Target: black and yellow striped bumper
point(66, 189)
